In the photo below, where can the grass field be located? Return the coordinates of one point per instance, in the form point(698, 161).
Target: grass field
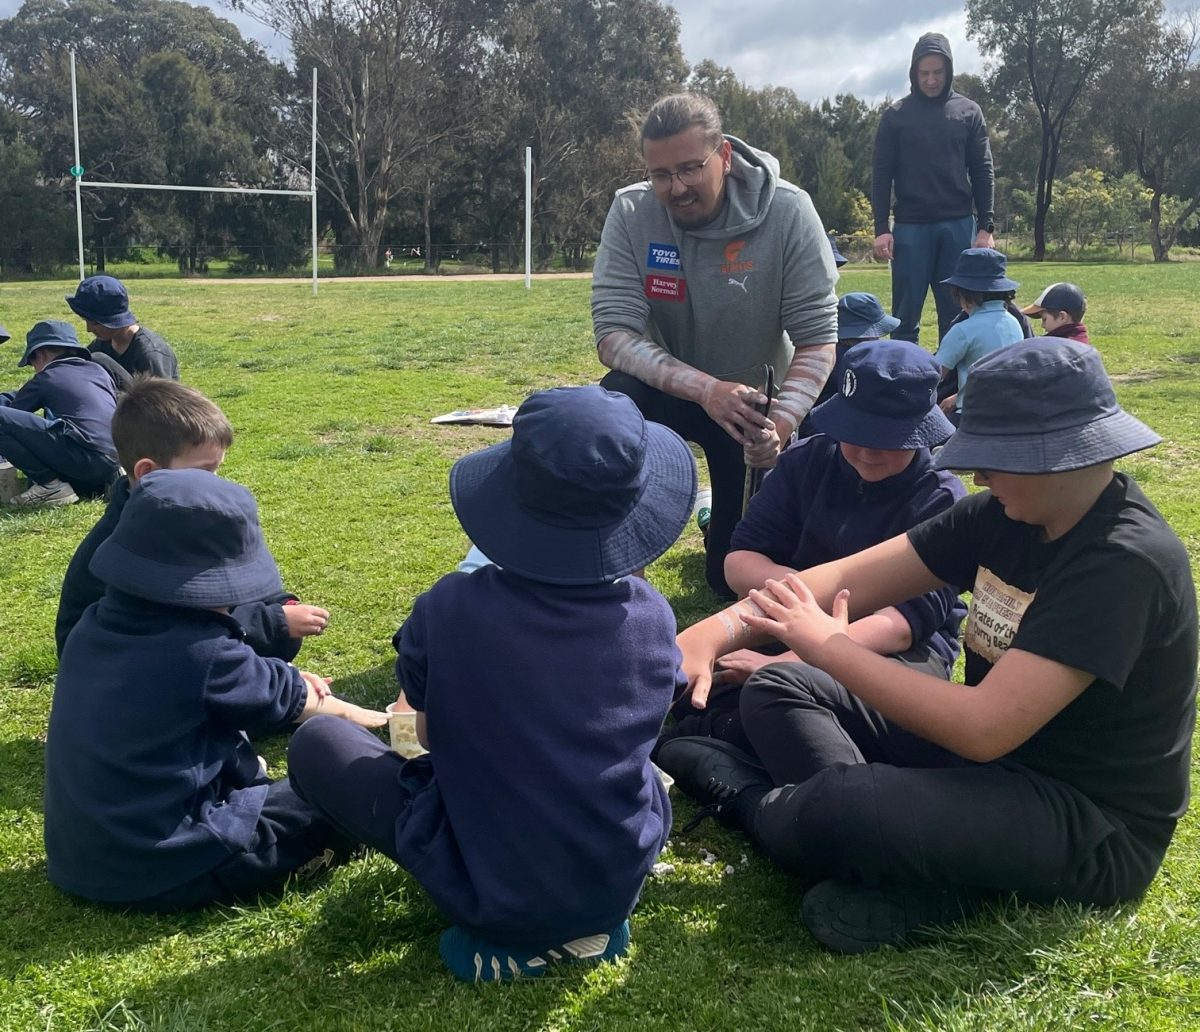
point(331, 399)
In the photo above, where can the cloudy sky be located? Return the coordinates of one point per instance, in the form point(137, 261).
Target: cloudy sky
point(818, 48)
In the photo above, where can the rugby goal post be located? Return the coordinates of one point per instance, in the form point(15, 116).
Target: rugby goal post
point(77, 171)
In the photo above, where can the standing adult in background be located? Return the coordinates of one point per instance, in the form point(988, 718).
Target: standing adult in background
point(102, 302)
point(708, 271)
point(932, 149)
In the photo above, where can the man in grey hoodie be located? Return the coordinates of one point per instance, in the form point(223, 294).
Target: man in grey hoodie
point(932, 147)
point(708, 272)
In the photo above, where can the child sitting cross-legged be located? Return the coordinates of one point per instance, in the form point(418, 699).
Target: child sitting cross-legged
point(164, 424)
point(154, 796)
point(540, 684)
point(69, 447)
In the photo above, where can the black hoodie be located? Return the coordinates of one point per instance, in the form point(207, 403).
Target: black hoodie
point(933, 150)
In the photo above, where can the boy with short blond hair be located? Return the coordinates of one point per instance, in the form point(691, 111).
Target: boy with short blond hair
point(155, 798)
point(164, 424)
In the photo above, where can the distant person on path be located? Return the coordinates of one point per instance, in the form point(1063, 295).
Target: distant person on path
point(932, 150)
point(102, 302)
point(387, 258)
point(709, 271)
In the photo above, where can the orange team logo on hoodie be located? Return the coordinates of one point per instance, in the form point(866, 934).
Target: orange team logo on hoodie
point(733, 252)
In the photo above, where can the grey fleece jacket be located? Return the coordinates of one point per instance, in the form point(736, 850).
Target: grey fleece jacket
point(727, 297)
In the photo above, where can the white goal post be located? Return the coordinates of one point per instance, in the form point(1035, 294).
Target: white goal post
point(77, 173)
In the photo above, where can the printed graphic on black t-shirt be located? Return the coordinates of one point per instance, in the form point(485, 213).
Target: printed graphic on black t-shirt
point(995, 614)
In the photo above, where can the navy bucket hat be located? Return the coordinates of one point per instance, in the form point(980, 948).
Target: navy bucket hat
point(981, 269)
point(586, 491)
point(103, 300)
point(188, 537)
point(50, 333)
point(861, 315)
point(1042, 406)
point(839, 259)
point(887, 398)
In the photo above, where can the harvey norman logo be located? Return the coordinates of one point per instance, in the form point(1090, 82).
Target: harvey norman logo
point(733, 260)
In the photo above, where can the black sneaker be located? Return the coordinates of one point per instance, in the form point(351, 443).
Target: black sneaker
point(850, 918)
point(712, 772)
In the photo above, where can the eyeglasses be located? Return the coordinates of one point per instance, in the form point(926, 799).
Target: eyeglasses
point(689, 175)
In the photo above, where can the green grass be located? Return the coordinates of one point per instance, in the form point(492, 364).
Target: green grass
point(331, 399)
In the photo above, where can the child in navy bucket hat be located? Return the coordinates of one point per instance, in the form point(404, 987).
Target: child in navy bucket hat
point(540, 684)
point(981, 286)
point(102, 302)
point(866, 476)
point(69, 449)
point(154, 796)
point(1060, 769)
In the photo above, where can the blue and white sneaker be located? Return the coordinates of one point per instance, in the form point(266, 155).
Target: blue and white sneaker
point(474, 959)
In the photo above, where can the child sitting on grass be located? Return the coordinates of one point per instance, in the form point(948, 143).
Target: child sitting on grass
point(980, 286)
point(71, 448)
point(540, 684)
point(1061, 307)
point(154, 797)
point(123, 345)
point(163, 424)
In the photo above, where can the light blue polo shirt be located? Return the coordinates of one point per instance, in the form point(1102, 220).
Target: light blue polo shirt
point(987, 329)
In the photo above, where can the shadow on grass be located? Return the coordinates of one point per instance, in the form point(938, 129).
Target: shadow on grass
point(44, 927)
point(22, 760)
point(710, 951)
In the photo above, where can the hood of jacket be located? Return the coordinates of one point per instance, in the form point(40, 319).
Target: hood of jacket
point(749, 188)
point(931, 43)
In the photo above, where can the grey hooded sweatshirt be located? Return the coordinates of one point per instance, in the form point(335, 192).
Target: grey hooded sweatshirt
point(730, 296)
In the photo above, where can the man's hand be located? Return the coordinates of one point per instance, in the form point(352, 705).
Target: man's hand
point(947, 403)
point(304, 620)
point(763, 453)
point(984, 239)
point(732, 406)
point(885, 247)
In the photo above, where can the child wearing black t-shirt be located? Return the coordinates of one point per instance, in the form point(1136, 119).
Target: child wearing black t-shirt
point(1061, 772)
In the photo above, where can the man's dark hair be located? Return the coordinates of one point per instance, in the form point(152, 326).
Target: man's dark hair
point(160, 419)
point(680, 112)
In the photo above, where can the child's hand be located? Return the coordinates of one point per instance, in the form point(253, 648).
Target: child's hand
point(303, 620)
point(359, 715)
point(319, 685)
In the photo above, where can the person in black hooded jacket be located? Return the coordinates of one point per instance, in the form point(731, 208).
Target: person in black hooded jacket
point(932, 150)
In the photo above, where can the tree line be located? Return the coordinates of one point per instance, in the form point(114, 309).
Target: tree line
point(426, 107)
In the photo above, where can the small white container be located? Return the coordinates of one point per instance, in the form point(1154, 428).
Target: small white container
point(402, 730)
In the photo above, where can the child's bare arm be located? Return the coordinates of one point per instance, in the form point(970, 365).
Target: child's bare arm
point(321, 700)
